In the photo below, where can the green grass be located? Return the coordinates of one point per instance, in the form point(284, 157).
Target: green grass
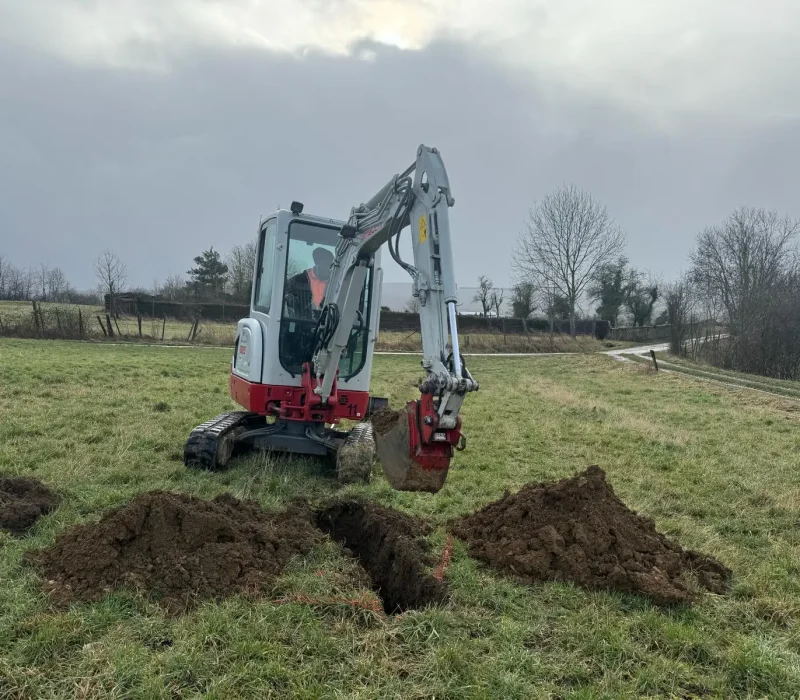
point(716, 470)
point(756, 381)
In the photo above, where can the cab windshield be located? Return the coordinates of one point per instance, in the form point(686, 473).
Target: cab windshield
point(310, 254)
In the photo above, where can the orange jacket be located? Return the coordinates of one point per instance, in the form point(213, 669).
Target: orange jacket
point(317, 287)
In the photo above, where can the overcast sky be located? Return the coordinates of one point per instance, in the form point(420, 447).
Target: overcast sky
point(159, 127)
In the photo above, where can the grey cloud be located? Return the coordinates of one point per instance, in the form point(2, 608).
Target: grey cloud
point(158, 165)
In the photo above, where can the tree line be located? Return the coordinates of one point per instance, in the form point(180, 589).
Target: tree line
point(212, 278)
point(571, 251)
point(743, 274)
point(743, 278)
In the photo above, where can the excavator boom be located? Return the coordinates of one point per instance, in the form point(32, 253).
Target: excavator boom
point(415, 444)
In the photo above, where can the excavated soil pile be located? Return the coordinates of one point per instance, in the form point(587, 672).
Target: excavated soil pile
point(177, 547)
point(22, 502)
point(578, 530)
point(387, 544)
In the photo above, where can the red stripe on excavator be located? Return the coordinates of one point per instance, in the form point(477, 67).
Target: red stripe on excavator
point(265, 398)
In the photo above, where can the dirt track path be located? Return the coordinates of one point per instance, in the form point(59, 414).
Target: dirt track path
point(703, 375)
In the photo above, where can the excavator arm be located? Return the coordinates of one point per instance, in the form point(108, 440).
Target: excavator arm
point(415, 445)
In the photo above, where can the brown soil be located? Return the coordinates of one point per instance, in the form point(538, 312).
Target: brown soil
point(388, 545)
point(578, 530)
point(384, 419)
point(22, 502)
point(178, 547)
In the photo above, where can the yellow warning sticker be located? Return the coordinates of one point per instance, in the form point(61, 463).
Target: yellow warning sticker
point(423, 228)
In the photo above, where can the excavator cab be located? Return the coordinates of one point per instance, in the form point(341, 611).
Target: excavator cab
point(269, 375)
point(302, 359)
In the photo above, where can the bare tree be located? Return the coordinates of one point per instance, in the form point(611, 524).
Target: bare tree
point(174, 288)
point(678, 299)
point(496, 300)
point(27, 282)
point(112, 275)
point(484, 294)
point(743, 257)
point(56, 284)
point(42, 274)
point(4, 273)
point(567, 237)
point(16, 284)
point(412, 305)
point(241, 262)
point(747, 267)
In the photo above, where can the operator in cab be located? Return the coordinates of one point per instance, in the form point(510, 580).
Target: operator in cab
point(305, 291)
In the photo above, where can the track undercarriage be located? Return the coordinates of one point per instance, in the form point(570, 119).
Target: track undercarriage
point(213, 444)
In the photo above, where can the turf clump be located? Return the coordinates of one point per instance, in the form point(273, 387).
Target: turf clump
point(178, 547)
point(578, 530)
point(23, 501)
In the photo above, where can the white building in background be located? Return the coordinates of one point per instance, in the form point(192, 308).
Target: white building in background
point(396, 295)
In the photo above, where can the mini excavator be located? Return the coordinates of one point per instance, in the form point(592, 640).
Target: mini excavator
point(302, 360)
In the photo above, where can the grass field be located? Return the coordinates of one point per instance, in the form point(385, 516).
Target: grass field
point(717, 470)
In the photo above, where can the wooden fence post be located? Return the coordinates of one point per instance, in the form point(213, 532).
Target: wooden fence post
point(139, 320)
point(110, 329)
point(100, 321)
point(35, 316)
point(80, 323)
point(58, 322)
point(163, 326)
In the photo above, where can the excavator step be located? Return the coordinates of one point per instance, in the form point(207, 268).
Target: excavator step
point(211, 445)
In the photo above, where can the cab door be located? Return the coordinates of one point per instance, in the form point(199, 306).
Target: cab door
point(253, 333)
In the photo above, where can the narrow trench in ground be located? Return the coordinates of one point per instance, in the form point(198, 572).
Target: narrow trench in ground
point(386, 543)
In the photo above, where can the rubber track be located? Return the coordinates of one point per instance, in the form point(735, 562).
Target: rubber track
point(362, 432)
point(200, 451)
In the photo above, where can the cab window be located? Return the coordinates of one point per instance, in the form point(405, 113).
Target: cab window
point(266, 263)
point(309, 257)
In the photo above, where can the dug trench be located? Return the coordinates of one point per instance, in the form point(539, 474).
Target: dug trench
point(181, 549)
point(23, 500)
point(389, 545)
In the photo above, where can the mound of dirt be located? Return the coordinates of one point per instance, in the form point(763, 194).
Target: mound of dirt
point(578, 530)
point(387, 544)
point(177, 547)
point(22, 502)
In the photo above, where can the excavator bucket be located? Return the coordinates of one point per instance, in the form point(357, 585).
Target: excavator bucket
point(408, 464)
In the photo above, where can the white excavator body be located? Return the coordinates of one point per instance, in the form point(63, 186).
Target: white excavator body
point(302, 360)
